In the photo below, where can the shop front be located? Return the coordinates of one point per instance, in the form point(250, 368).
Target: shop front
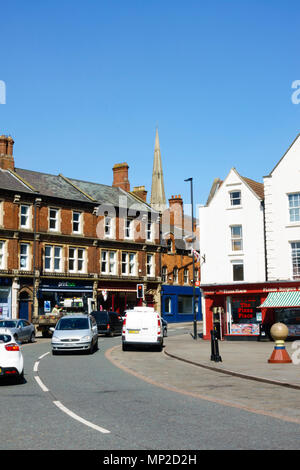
point(76, 295)
point(177, 303)
point(247, 312)
point(118, 297)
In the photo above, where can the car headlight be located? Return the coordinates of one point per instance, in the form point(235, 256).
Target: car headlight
point(86, 338)
point(55, 338)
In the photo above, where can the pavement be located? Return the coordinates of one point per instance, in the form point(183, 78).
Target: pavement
point(245, 359)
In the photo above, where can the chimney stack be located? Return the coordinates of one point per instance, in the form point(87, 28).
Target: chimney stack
point(120, 171)
point(141, 192)
point(6, 153)
point(176, 211)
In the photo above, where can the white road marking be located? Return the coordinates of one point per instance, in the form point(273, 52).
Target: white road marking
point(62, 407)
point(41, 357)
point(43, 387)
point(78, 418)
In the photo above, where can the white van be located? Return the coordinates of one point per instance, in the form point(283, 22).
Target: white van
point(142, 326)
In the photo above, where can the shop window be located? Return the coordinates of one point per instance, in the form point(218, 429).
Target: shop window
point(235, 198)
point(236, 238)
point(295, 246)
point(185, 304)
point(238, 270)
point(294, 207)
point(168, 305)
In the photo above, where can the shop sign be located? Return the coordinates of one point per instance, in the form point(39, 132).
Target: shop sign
point(244, 310)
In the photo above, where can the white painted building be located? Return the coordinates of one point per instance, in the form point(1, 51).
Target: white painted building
point(232, 232)
point(282, 215)
point(250, 241)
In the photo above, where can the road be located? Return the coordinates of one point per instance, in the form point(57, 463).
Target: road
point(102, 402)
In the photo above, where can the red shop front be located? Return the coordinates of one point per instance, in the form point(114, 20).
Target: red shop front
point(241, 312)
point(120, 297)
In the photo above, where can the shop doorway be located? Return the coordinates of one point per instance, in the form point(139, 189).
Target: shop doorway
point(24, 305)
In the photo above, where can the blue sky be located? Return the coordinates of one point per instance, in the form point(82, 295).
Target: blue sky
point(88, 82)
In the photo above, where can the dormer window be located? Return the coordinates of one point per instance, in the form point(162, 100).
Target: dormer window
point(235, 198)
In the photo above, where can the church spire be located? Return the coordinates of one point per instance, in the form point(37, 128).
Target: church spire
point(158, 198)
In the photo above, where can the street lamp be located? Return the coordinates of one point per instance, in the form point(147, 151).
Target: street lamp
point(194, 303)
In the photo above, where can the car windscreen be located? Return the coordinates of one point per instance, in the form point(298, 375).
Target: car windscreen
point(5, 338)
point(73, 324)
point(8, 324)
point(100, 316)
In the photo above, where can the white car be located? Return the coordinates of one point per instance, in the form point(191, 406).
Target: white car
point(11, 357)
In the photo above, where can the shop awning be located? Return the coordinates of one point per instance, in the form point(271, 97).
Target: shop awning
point(281, 300)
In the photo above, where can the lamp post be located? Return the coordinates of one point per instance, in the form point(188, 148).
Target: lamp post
point(37, 203)
point(194, 303)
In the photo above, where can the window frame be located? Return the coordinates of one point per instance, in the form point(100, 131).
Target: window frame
point(108, 262)
point(238, 263)
point(127, 263)
point(79, 222)
point(295, 275)
point(57, 220)
point(294, 208)
point(233, 199)
point(26, 255)
point(52, 257)
point(28, 216)
point(236, 239)
point(76, 259)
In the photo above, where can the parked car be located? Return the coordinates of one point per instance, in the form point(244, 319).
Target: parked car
point(108, 323)
point(11, 358)
point(22, 330)
point(75, 333)
point(142, 326)
point(165, 326)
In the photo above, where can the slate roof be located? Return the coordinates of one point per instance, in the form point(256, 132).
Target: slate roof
point(51, 185)
point(59, 186)
point(10, 182)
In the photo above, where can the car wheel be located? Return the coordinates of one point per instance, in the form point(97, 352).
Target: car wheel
point(124, 347)
point(32, 338)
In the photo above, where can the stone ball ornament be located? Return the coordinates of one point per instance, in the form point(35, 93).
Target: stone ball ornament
point(279, 332)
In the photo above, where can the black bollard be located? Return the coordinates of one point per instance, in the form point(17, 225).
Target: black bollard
point(215, 356)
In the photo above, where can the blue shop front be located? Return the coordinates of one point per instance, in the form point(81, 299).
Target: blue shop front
point(177, 303)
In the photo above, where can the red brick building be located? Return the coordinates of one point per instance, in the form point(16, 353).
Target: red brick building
point(65, 238)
